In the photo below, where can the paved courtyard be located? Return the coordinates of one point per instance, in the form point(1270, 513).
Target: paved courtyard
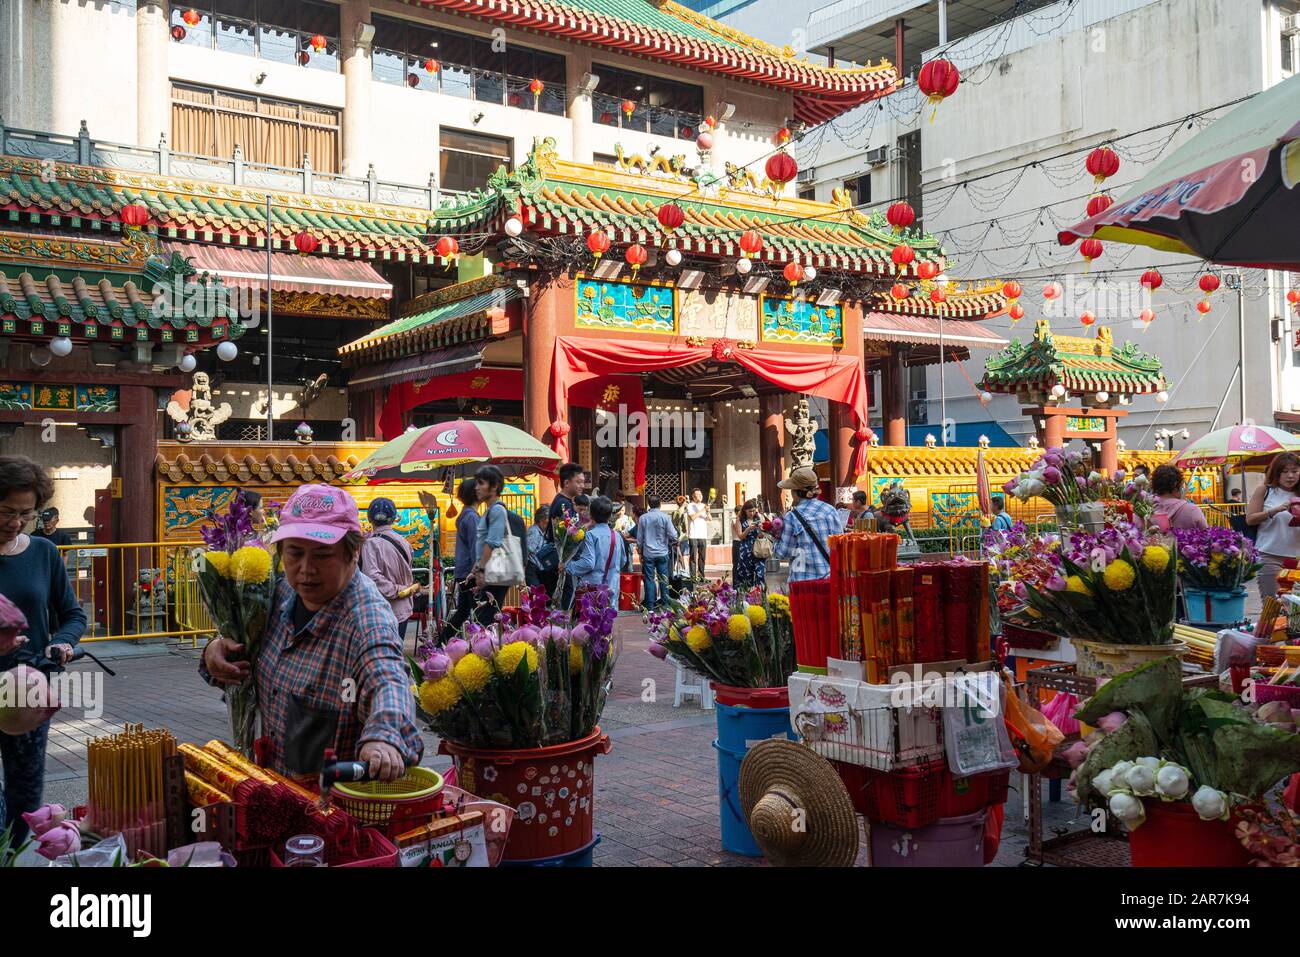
point(657, 790)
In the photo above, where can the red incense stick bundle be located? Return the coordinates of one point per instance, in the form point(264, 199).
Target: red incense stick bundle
point(900, 594)
point(927, 586)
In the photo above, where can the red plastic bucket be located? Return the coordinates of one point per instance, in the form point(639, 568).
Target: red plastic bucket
point(751, 697)
point(1174, 835)
point(629, 591)
point(552, 790)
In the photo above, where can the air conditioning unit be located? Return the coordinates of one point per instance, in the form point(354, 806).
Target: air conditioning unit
point(877, 157)
point(918, 412)
point(806, 176)
point(1291, 25)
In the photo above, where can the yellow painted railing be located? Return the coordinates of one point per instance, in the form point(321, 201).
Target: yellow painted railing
point(137, 590)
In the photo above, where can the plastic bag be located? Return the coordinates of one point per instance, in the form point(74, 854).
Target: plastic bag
point(1060, 711)
point(110, 852)
point(1236, 648)
point(975, 738)
point(1034, 737)
point(497, 818)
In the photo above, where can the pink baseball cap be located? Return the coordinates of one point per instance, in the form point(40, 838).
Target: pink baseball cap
point(320, 513)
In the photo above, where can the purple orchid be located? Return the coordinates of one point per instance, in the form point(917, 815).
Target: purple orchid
point(229, 530)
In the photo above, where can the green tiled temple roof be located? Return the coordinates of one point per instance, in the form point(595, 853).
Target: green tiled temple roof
point(1079, 364)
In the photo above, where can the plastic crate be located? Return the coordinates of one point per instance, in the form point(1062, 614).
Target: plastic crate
point(366, 848)
point(859, 723)
point(916, 797)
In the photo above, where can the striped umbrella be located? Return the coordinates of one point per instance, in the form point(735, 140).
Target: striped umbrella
point(1248, 446)
point(412, 455)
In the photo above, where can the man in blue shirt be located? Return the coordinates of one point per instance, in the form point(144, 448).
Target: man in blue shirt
point(807, 527)
point(1001, 519)
point(600, 558)
point(656, 537)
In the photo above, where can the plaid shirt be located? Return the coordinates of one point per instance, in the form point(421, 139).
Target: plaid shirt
point(806, 560)
point(353, 639)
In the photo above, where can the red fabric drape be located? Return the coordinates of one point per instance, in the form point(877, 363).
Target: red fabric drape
point(838, 378)
point(594, 393)
point(479, 384)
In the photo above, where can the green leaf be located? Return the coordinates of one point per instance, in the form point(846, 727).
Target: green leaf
point(1134, 739)
point(1156, 690)
point(1253, 757)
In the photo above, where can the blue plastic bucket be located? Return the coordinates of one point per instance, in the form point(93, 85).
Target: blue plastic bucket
point(1215, 606)
point(579, 858)
point(739, 729)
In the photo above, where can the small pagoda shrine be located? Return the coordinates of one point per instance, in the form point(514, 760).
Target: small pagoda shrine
point(1051, 370)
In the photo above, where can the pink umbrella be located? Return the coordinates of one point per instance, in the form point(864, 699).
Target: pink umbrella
point(413, 455)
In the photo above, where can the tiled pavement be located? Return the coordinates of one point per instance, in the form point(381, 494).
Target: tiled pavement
point(657, 798)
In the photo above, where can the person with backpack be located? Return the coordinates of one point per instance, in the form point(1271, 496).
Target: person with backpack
point(807, 528)
point(494, 528)
point(600, 556)
point(387, 560)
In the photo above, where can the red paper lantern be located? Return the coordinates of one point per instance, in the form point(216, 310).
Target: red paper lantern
point(1091, 249)
point(937, 295)
point(670, 216)
point(191, 17)
point(1147, 316)
point(781, 168)
point(710, 122)
point(178, 33)
point(1209, 282)
point(902, 255)
point(1293, 296)
point(559, 428)
point(628, 108)
point(536, 87)
point(782, 136)
point(305, 243)
point(304, 58)
point(598, 242)
point(938, 80)
point(1012, 290)
point(1087, 318)
point(704, 142)
point(318, 43)
point(685, 132)
point(607, 118)
point(1152, 279)
point(448, 248)
point(1051, 290)
point(412, 80)
point(900, 292)
point(900, 215)
point(1099, 204)
point(927, 269)
point(1102, 163)
point(793, 272)
point(750, 243)
point(1017, 312)
point(1203, 306)
point(135, 215)
point(432, 66)
point(636, 257)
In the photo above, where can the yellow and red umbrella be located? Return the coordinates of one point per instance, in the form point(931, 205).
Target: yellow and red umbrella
point(412, 455)
point(1248, 446)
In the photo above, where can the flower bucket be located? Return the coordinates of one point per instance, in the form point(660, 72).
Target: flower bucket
point(552, 790)
point(1215, 606)
point(1174, 835)
point(745, 716)
point(1101, 660)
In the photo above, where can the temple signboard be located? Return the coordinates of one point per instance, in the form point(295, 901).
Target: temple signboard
point(714, 314)
point(624, 306)
point(801, 322)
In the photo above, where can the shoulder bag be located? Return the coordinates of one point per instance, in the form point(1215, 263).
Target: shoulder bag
point(763, 547)
point(815, 540)
point(505, 566)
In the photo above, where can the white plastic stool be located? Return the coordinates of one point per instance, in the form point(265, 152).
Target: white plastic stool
point(685, 689)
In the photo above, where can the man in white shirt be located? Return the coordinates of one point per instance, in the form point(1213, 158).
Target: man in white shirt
point(697, 517)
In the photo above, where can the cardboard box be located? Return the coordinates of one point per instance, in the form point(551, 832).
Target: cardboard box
point(439, 842)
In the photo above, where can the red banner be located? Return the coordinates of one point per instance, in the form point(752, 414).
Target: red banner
point(479, 384)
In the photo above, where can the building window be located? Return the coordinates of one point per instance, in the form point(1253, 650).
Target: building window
point(808, 192)
point(662, 106)
point(210, 122)
point(473, 68)
point(605, 159)
point(859, 189)
point(466, 160)
point(279, 30)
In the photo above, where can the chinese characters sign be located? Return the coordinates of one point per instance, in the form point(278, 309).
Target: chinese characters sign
point(35, 397)
point(1085, 423)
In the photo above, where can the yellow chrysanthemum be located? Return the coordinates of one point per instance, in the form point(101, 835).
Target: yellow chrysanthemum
point(697, 639)
point(508, 658)
point(780, 604)
point(738, 627)
point(252, 563)
point(472, 672)
point(757, 615)
point(575, 658)
point(674, 634)
point(220, 561)
point(1076, 584)
point(580, 534)
point(1119, 575)
point(437, 696)
point(1155, 558)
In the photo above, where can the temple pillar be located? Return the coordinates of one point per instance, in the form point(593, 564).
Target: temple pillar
point(771, 446)
point(893, 399)
point(357, 80)
point(137, 445)
point(1051, 433)
point(152, 89)
point(1110, 451)
point(840, 440)
point(539, 348)
point(580, 121)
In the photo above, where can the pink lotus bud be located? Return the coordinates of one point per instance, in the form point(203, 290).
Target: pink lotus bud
point(457, 649)
point(525, 633)
point(556, 633)
point(658, 650)
point(580, 635)
point(26, 700)
point(484, 647)
point(64, 838)
point(1112, 722)
point(436, 666)
point(1075, 753)
point(44, 818)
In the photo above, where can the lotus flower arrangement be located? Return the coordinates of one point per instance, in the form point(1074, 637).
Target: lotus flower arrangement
point(1064, 478)
point(1214, 558)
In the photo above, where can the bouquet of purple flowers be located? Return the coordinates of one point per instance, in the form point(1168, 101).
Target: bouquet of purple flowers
point(1215, 557)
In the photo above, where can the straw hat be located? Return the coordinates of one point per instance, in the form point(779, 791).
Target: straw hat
point(797, 807)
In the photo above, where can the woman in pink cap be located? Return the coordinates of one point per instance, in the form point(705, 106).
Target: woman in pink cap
point(330, 673)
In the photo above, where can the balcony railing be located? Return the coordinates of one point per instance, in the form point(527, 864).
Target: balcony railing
point(235, 171)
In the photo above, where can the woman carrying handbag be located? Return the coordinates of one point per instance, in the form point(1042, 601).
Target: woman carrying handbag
point(500, 563)
point(754, 547)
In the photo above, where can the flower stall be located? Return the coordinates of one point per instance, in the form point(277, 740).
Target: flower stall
point(1214, 565)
